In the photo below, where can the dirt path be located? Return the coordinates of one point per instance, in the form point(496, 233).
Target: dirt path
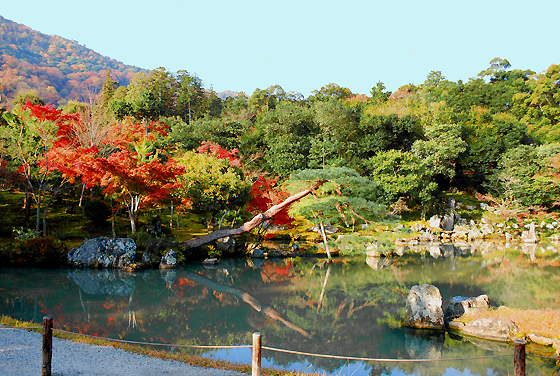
point(21, 354)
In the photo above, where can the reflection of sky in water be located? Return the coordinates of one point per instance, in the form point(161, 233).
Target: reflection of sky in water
point(351, 308)
point(350, 369)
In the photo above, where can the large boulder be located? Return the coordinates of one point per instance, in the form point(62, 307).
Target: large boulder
point(103, 253)
point(491, 328)
point(423, 307)
point(169, 260)
point(461, 305)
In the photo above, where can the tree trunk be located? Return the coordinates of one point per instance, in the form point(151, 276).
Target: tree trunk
point(133, 213)
point(171, 220)
point(38, 202)
point(256, 221)
point(27, 206)
point(82, 195)
point(322, 229)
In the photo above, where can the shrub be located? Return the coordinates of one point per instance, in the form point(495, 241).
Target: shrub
point(38, 252)
point(97, 211)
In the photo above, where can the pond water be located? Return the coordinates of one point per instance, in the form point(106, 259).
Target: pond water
point(354, 307)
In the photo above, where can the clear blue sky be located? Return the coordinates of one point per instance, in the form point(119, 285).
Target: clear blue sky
point(303, 45)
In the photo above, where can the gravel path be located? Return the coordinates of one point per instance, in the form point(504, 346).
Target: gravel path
point(21, 354)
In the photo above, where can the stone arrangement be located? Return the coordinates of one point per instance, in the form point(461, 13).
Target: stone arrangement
point(424, 311)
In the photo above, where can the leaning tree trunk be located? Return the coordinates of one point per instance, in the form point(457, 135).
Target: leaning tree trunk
point(256, 221)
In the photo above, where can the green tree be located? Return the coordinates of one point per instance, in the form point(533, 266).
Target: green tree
point(540, 106)
point(379, 94)
point(211, 185)
point(345, 199)
point(402, 174)
point(441, 149)
point(335, 140)
point(191, 102)
point(331, 91)
point(108, 89)
point(521, 176)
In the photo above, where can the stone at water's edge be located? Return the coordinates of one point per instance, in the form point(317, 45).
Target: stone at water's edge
point(423, 307)
point(169, 260)
point(461, 305)
point(491, 328)
point(448, 222)
point(103, 253)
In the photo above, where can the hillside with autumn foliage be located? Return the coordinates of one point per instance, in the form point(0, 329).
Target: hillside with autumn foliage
point(56, 68)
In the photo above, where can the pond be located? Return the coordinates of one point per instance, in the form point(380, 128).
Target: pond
point(353, 307)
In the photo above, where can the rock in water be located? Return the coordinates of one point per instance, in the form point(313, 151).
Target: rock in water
point(423, 307)
point(103, 253)
point(169, 260)
point(461, 305)
point(491, 328)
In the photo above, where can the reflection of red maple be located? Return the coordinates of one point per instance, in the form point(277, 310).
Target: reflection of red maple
point(272, 272)
point(111, 320)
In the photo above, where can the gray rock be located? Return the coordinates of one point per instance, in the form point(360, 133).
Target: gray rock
point(542, 340)
point(103, 253)
point(461, 305)
point(491, 328)
point(169, 260)
point(226, 244)
point(434, 221)
point(210, 261)
point(451, 203)
point(416, 227)
point(530, 236)
point(257, 253)
point(329, 230)
point(423, 307)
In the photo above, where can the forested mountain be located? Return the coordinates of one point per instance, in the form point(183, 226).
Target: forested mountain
point(57, 68)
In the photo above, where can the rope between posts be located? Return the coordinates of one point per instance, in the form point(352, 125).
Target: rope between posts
point(543, 357)
point(381, 359)
point(285, 351)
point(134, 342)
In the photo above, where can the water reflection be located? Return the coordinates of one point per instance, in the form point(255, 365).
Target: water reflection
point(353, 308)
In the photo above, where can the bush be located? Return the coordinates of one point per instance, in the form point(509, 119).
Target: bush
point(36, 252)
point(97, 211)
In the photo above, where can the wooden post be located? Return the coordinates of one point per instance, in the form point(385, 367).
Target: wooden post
point(519, 358)
point(47, 345)
point(257, 348)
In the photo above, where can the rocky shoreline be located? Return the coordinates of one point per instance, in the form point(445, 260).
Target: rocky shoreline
point(424, 311)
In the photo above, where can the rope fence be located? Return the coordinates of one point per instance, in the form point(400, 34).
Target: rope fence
point(519, 354)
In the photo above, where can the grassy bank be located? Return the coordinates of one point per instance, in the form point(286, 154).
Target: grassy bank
point(542, 322)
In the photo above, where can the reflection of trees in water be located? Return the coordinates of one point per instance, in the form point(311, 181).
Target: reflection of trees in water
point(347, 308)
